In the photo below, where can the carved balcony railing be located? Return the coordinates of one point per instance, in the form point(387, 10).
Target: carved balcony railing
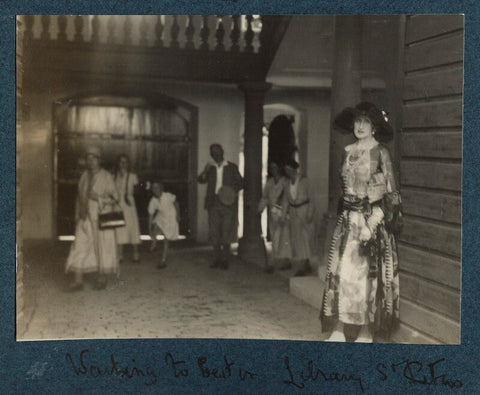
point(227, 48)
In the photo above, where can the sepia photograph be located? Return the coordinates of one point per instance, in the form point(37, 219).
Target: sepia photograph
point(274, 177)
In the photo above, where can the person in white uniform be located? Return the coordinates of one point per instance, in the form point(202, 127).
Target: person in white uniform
point(164, 217)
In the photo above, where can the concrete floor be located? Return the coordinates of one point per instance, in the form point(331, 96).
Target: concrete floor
point(185, 300)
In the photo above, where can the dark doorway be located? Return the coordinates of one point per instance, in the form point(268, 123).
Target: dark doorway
point(281, 140)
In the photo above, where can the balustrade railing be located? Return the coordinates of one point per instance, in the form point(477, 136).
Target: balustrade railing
point(229, 33)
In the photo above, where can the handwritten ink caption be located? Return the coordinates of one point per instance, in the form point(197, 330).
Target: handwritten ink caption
point(84, 365)
point(412, 372)
point(418, 373)
point(304, 376)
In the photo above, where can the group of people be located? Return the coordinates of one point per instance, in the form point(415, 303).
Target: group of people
point(290, 206)
point(98, 249)
point(361, 293)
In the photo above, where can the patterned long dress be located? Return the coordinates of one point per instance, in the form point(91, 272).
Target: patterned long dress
point(362, 277)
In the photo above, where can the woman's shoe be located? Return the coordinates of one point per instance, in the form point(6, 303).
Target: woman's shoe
point(285, 266)
point(365, 336)
point(363, 339)
point(270, 269)
point(162, 265)
point(336, 336)
point(74, 287)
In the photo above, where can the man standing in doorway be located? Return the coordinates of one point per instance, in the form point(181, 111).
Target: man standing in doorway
point(223, 183)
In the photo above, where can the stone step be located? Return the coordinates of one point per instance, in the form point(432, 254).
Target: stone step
point(322, 272)
point(309, 289)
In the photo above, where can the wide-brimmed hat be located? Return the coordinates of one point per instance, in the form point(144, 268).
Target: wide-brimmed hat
point(93, 150)
point(345, 120)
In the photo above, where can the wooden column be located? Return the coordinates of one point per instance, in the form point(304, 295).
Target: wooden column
point(251, 247)
point(346, 91)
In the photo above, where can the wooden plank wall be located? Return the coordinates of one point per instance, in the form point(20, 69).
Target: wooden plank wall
point(430, 176)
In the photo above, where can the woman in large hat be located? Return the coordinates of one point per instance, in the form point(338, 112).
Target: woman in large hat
point(94, 249)
point(362, 291)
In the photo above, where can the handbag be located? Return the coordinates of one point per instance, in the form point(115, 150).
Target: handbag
point(111, 220)
point(392, 205)
point(227, 195)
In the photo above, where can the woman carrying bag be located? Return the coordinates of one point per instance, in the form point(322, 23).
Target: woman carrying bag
point(94, 248)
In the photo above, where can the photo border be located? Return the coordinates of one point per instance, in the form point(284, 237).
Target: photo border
point(43, 366)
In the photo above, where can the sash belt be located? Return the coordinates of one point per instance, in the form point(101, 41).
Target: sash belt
point(353, 203)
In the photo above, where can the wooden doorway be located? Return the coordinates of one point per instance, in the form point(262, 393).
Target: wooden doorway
point(158, 133)
point(281, 140)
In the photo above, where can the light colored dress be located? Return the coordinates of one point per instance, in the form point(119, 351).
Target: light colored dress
point(299, 206)
point(93, 250)
point(273, 198)
point(362, 283)
point(165, 214)
point(130, 233)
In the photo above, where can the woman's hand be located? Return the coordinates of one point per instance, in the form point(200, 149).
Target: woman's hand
point(365, 234)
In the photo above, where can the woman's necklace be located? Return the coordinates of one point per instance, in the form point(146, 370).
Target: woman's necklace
point(355, 156)
point(358, 150)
